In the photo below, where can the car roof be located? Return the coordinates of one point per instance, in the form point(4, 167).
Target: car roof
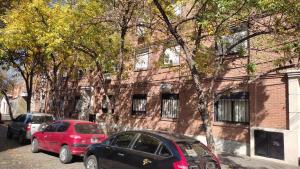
point(168, 135)
point(38, 114)
point(76, 121)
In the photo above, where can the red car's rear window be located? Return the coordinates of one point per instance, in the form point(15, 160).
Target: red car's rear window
point(85, 128)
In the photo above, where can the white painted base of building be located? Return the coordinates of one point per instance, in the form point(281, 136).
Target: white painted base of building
point(228, 146)
point(290, 138)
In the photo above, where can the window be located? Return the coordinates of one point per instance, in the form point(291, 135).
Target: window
point(176, 7)
point(39, 119)
point(139, 103)
point(63, 127)
point(142, 58)
point(233, 108)
point(123, 140)
point(21, 118)
point(171, 56)
point(170, 106)
point(193, 149)
point(86, 128)
point(105, 104)
point(146, 144)
point(164, 152)
point(80, 74)
point(226, 41)
point(50, 128)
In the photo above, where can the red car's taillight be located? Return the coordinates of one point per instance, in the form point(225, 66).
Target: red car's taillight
point(182, 164)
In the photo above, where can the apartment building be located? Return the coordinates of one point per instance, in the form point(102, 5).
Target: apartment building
point(260, 119)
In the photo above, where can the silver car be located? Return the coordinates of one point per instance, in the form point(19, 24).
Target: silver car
point(25, 125)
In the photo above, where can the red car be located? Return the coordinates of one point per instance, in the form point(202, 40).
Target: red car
point(67, 137)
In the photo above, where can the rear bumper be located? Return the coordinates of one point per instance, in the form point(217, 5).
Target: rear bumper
point(78, 149)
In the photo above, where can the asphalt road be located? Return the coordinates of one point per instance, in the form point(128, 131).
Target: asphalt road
point(15, 156)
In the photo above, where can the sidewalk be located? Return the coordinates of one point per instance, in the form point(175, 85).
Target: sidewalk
point(245, 162)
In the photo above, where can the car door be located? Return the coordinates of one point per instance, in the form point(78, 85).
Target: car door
point(144, 152)
point(49, 130)
point(105, 153)
point(120, 151)
point(55, 139)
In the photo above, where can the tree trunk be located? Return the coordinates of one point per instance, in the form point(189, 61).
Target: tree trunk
point(9, 106)
point(202, 97)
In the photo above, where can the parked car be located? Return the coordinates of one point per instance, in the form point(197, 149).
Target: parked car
point(150, 150)
point(68, 138)
point(25, 125)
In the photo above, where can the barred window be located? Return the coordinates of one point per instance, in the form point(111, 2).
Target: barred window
point(170, 106)
point(233, 108)
point(139, 103)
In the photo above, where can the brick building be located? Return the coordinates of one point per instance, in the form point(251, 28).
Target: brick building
point(261, 119)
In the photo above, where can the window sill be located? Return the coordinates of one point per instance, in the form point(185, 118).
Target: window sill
point(234, 125)
point(169, 66)
point(140, 70)
point(138, 116)
point(168, 119)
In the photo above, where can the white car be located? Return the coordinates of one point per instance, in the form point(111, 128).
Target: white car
point(25, 125)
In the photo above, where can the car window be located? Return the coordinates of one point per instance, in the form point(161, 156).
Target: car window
point(86, 128)
point(146, 144)
point(108, 141)
point(18, 118)
point(62, 127)
point(41, 119)
point(123, 140)
point(164, 151)
point(21, 118)
point(193, 149)
point(50, 128)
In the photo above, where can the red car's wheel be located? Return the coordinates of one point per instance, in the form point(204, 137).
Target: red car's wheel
point(35, 146)
point(65, 155)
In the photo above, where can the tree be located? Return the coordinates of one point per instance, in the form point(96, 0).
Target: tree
point(212, 19)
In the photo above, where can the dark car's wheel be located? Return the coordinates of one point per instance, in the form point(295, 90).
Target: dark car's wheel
point(65, 155)
point(91, 162)
point(21, 138)
point(211, 165)
point(35, 146)
point(8, 134)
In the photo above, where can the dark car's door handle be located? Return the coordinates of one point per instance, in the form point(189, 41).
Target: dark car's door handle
point(121, 154)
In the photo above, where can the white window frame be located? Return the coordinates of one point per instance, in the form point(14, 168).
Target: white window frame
point(172, 56)
point(232, 110)
point(227, 41)
point(141, 64)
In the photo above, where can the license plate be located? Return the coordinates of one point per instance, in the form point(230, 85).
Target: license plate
point(94, 140)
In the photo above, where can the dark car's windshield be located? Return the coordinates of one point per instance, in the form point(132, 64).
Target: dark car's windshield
point(87, 129)
point(193, 149)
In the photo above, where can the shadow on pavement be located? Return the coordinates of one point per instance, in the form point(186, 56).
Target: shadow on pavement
point(6, 144)
point(234, 162)
point(75, 159)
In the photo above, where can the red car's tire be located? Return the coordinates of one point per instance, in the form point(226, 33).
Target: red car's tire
point(65, 155)
point(35, 146)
